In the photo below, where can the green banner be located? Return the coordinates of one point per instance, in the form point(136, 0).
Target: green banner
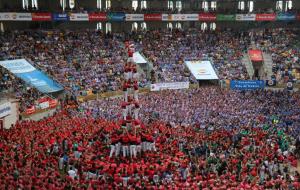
point(221, 17)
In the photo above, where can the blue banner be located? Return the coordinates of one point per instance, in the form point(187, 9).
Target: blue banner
point(35, 78)
point(117, 17)
point(247, 84)
point(286, 16)
point(60, 17)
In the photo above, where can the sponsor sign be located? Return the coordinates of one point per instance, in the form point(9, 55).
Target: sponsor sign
point(247, 84)
point(30, 110)
point(5, 109)
point(166, 17)
point(152, 17)
point(221, 17)
point(207, 17)
point(25, 71)
point(255, 55)
point(97, 17)
point(116, 17)
point(171, 86)
point(191, 17)
point(41, 16)
point(265, 17)
point(286, 16)
point(15, 16)
point(79, 17)
point(60, 17)
point(202, 70)
point(134, 17)
point(245, 17)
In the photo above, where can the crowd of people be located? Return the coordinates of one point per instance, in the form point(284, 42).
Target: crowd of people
point(206, 138)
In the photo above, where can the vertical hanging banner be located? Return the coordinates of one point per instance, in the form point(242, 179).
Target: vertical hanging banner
point(60, 17)
point(286, 16)
point(153, 17)
point(97, 17)
point(265, 17)
point(134, 17)
point(79, 17)
point(116, 17)
point(255, 55)
point(207, 17)
point(41, 16)
point(245, 17)
point(221, 17)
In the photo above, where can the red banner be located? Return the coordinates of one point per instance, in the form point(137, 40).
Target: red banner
point(53, 103)
point(30, 110)
point(41, 16)
point(152, 17)
point(97, 17)
point(207, 17)
point(265, 17)
point(255, 55)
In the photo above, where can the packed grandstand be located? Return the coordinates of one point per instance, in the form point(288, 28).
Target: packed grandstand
point(163, 108)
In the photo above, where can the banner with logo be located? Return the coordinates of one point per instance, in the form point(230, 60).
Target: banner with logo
point(30, 110)
point(245, 17)
point(152, 17)
point(60, 17)
point(79, 17)
point(134, 17)
point(286, 16)
point(41, 16)
point(207, 17)
point(166, 17)
point(271, 82)
point(5, 109)
point(221, 17)
point(265, 17)
point(255, 55)
point(97, 17)
point(184, 17)
point(15, 16)
point(170, 86)
point(202, 70)
point(116, 17)
point(35, 78)
point(247, 84)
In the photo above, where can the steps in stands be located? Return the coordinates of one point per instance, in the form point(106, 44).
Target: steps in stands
point(248, 64)
point(268, 62)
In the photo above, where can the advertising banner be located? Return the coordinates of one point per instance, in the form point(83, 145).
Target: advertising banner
point(152, 17)
point(30, 110)
point(166, 17)
point(97, 17)
point(25, 71)
point(221, 17)
point(247, 84)
point(286, 16)
point(116, 17)
point(265, 17)
point(191, 17)
point(5, 109)
point(171, 86)
point(207, 17)
point(255, 55)
point(79, 17)
point(134, 17)
point(41, 16)
point(245, 17)
point(15, 16)
point(60, 17)
point(202, 70)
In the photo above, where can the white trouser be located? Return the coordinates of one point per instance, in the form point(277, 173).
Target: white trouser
point(139, 149)
point(136, 95)
point(126, 95)
point(152, 146)
point(136, 113)
point(112, 150)
point(133, 151)
point(124, 113)
point(118, 149)
point(144, 146)
point(125, 150)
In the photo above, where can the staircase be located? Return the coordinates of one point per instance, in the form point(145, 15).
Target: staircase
point(267, 65)
point(248, 64)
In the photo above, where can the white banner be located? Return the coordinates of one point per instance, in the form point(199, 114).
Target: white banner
point(202, 70)
point(134, 17)
point(44, 105)
point(166, 17)
point(245, 17)
point(172, 85)
point(16, 16)
point(191, 17)
point(79, 17)
point(5, 109)
point(138, 58)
